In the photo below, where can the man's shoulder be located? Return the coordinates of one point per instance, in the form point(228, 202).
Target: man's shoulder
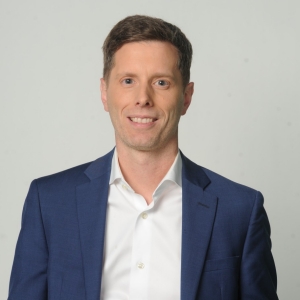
point(223, 187)
point(232, 196)
point(222, 182)
point(78, 174)
point(70, 173)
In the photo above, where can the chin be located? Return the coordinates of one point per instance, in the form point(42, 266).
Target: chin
point(143, 147)
point(146, 146)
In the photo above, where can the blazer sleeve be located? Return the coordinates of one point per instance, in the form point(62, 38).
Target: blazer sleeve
point(258, 273)
point(29, 272)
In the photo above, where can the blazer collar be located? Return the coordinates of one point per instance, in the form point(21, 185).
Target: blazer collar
point(191, 171)
point(100, 166)
point(194, 173)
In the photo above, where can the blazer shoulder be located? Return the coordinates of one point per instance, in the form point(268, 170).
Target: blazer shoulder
point(73, 174)
point(223, 182)
point(77, 175)
point(212, 181)
point(231, 193)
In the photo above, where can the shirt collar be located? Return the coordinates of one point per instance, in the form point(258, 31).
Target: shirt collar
point(115, 172)
point(174, 173)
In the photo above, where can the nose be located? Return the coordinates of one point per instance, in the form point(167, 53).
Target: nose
point(144, 96)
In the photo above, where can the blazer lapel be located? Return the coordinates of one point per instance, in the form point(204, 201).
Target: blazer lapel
point(198, 215)
point(91, 205)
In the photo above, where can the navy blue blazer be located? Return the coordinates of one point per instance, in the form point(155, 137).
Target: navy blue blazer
point(226, 247)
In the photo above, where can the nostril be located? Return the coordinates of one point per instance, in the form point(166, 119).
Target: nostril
point(144, 103)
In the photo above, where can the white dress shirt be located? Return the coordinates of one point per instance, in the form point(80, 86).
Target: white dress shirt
point(142, 252)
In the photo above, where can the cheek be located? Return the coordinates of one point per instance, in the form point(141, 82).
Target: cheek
point(116, 112)
point(112, 102)
point(118, 99)
point(176, 110)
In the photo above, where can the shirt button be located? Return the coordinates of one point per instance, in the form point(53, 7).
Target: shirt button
point(144, 216)
point(124, 186)
point(140, 265)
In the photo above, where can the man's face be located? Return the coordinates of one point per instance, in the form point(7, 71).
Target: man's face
point(144, 95)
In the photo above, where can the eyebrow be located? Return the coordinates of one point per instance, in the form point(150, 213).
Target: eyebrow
point(125, 74)
point(155, 75)
point(163, 75)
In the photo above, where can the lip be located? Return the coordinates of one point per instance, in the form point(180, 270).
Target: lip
point(142, 117)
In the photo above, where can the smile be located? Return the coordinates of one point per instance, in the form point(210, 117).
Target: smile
point(142, 120)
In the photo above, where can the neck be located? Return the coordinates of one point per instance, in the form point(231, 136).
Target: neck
point(144, 170)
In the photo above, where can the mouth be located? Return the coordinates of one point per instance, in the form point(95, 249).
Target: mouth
point(142, 120)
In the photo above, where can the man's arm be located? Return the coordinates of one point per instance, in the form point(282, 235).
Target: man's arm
point(29, 273)
point(258, 273)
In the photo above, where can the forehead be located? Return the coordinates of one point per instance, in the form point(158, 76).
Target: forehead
point(146, 54)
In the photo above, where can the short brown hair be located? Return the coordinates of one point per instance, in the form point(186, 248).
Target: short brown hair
point(139, 28)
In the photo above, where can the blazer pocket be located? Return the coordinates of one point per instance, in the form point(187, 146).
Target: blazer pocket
point(222, 264)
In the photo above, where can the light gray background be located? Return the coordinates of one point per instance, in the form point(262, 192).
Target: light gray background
point(243, 122)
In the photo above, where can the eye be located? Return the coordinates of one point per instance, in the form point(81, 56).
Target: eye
point(127, 81)
point(162, 83)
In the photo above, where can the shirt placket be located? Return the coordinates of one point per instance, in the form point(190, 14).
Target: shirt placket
point(141, 250)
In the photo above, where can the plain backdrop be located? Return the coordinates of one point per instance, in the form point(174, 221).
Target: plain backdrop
point(243, 122)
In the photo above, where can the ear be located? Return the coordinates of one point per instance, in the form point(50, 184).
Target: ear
point(188, 93)
point(103, 90)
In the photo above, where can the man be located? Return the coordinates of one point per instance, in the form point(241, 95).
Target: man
point(143, 221)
